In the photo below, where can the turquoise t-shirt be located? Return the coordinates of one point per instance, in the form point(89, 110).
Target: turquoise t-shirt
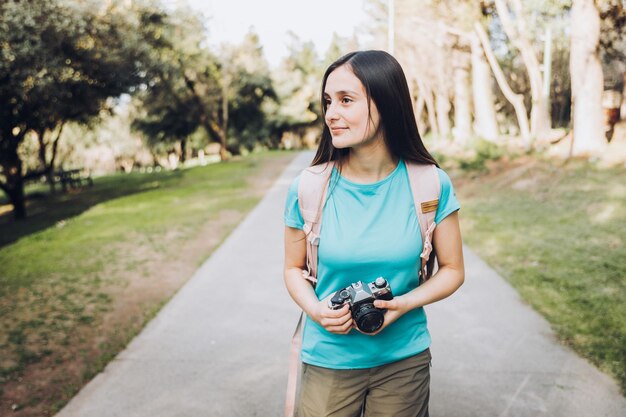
point(368, 230)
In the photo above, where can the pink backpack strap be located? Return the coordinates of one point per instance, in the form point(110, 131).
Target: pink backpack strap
point(312, 191)
point(426, 188)
point(294, 367)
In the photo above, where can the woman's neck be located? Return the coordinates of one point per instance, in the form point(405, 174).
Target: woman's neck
point(367, 164)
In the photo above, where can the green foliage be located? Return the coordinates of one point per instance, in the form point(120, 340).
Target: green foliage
point(251, 93)
point(483, 151)
point(54, 64)
point(297, 83)
point(191, 88)
point(183, 87)
point(60, 61)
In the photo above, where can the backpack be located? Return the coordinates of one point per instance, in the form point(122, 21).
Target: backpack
point(312, 190)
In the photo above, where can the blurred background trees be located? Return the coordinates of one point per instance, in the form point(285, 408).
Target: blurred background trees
point(127, 85)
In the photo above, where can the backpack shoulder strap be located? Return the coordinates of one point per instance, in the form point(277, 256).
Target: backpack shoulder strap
point(312, 191)
point(426, 188)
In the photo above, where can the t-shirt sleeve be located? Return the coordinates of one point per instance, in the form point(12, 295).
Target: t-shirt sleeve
point(293, 217)
point(448, 202)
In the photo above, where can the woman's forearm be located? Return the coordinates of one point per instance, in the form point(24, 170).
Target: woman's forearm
point(301, 290)
point(441, 285)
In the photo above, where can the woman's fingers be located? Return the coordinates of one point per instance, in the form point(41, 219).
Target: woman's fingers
point(343, 329)
point(336, 321)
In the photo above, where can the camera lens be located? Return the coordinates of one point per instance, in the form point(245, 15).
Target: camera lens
point(368, 318)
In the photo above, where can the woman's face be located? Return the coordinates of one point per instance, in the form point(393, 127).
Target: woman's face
point(348, 117)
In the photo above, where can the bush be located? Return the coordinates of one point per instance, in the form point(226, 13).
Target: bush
point(484, 151)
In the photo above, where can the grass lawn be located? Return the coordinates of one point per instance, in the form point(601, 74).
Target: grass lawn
point(86, 271)
point(557, 233)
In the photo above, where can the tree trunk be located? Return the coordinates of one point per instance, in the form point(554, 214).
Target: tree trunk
point(587, 79)
point(225, 85)
point(183, 150)
point(12, 170)
point(484, 109)
point(540, 122)
point(462, 103)
point(517, 100)
point(427, 93)
point(42, 148)
point(419, 111)
point(442, 102)
point(53, 157)
point(48, 167)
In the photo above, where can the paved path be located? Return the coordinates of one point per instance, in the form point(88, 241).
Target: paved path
point(219, 347)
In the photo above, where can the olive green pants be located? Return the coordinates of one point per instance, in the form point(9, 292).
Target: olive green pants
point(398, 389)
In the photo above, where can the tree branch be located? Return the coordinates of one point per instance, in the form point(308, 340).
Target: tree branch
point(55, 144)
point(517, 100)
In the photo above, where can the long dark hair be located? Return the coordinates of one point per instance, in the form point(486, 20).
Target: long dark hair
point(385, 84)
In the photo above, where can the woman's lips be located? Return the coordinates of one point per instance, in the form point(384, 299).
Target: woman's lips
point(338, 129)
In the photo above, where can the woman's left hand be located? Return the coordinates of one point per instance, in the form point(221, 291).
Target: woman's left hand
point(395, 309)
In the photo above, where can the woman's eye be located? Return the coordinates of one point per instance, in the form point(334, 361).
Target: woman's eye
point(346, 100)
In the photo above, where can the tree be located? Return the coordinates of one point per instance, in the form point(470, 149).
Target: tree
point(587, 79)
point(250, 91)
point(169, 109)
point(192, 88)
point(517, 31)
point(436, 46)
point(60, 61)
point(297, 85)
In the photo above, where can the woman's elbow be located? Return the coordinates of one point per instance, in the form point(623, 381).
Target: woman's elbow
point(459, 275)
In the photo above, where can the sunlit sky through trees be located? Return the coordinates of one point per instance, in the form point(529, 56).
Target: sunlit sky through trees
point(314, 20)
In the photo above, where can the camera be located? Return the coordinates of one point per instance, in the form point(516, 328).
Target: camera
point(360, 297)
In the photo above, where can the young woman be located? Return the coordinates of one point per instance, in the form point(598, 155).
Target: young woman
point(370, 229)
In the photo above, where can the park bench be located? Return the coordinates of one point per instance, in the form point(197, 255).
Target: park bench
point(73, 178)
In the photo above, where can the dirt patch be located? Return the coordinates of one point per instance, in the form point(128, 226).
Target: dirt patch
point(117, 309)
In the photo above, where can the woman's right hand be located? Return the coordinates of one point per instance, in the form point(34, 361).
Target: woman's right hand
point(334, 321)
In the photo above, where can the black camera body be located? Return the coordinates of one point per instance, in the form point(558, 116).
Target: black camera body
point(360, 297)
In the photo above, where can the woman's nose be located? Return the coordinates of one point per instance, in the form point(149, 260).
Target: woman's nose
point(331, 113)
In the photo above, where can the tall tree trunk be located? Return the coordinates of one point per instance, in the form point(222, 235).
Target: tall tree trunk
point(540, 122)
point(587, 79)
point(430, 109)
point(41, 139)
point(48, 167)
point(225, 85)
point(482, 83)
point(53, 156)
point(183, 150)
point(462, 103)
point(442, 102)
point(517, 100)
point(419, 111)
point(12, 170)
